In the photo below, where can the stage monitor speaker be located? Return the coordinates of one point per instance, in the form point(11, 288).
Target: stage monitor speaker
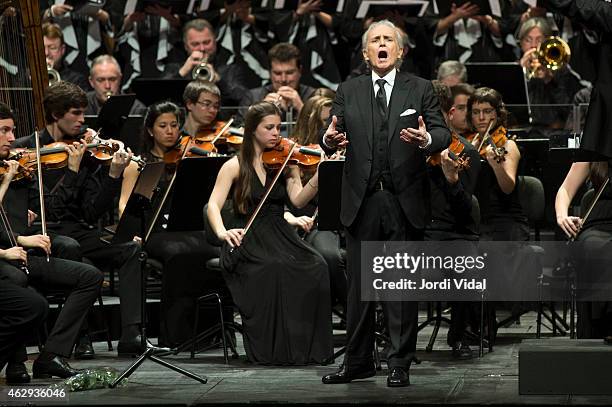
point(562, 366)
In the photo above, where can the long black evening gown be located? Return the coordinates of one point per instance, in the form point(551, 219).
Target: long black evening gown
point(281, 287)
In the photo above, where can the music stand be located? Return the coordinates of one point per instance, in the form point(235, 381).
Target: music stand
point(141, 201)
point(187, 200)
point(151, 90)
point(131, 133)
point(114, 112)
point(330, 186)
point(504, 77)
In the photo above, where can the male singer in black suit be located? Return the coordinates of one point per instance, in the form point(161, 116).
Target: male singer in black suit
point(389, 122)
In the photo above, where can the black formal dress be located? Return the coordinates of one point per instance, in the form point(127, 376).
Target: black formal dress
point(595, 318)
point(281, 287)
point(385, 196)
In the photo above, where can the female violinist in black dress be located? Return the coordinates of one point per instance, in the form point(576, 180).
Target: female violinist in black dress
point(279, 283)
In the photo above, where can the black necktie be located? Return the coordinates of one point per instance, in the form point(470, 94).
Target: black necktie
point(381, 97)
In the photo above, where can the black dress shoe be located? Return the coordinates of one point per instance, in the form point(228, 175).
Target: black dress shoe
point(16, 373)
point(344, 375)
point(84, 349)
point(462, 351)
point(134, 348)
point(58, 367)
point(398, 377)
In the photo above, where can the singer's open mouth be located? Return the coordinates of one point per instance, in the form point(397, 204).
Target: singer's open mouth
point(382, 54)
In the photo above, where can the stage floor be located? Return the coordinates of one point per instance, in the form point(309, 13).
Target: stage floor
point(492, 379)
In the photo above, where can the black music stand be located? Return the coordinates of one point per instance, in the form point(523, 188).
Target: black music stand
point(504, 77)
point(113, 114)
point(141, 199)
point(187, 200)
point(330, 185)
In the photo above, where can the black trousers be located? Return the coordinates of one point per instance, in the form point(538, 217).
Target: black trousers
point(22, 311)
point(327, 243)
point(380, 218)
point(103, 255)
point(80, 283)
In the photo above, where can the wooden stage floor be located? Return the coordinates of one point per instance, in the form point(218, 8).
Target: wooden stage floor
point(439, 379)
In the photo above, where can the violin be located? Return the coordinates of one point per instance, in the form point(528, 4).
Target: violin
point(496, 139)
point(455, 152)
point(306, 157)
point(223, 132)
point(55, 156)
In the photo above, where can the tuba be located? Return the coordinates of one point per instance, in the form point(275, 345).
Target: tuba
point(204, 71)
point(553, 53)
point(54, 76)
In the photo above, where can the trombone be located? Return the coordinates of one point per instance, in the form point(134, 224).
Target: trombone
point(553, 54)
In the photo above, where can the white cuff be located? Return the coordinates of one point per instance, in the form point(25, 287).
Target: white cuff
point(428, 141)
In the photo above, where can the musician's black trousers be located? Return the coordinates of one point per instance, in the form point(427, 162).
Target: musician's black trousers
point(124, 257)
point(380, 218)
point(79, 282)
point(22, 311)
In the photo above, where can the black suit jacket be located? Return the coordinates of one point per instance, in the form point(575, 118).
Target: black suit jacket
point(596, 15)
point(354, 109)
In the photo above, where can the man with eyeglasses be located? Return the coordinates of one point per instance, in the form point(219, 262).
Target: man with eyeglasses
point(202, 102)
point(53, 41)
point(105, 78)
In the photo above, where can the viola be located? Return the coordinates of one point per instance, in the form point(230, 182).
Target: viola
point(455, 152)
point(306, 157)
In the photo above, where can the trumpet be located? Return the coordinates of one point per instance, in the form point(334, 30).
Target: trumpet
point(553, 54)
point(204, 71)
point(54, 76)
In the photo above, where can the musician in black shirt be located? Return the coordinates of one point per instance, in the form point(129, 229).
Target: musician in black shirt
point(452, 213)
point(80, 283)
point(78, 195)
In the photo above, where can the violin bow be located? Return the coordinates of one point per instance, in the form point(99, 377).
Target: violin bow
point(268, 191)
point(43, 218)
point(223, 130)
point(9, 231)
point(592, 205)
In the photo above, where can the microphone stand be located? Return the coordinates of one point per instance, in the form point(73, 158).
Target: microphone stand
point(142, 257)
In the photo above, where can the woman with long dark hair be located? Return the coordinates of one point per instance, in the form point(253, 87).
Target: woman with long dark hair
point(279, 283)
point(182, 253)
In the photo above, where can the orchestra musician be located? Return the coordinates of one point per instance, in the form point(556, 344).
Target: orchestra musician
point(234, 79)
point(284, 88)
point(452, 184)
point(105, 78)
point(457, 117)
point(388, 121)
point(80, 282)
point(594, 318)
point(179, 251)
point(497, 191)
point(80, 193)
point(279, 283)
point(545, 86)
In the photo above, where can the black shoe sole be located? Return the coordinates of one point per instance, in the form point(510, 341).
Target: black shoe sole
point(357, 377)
